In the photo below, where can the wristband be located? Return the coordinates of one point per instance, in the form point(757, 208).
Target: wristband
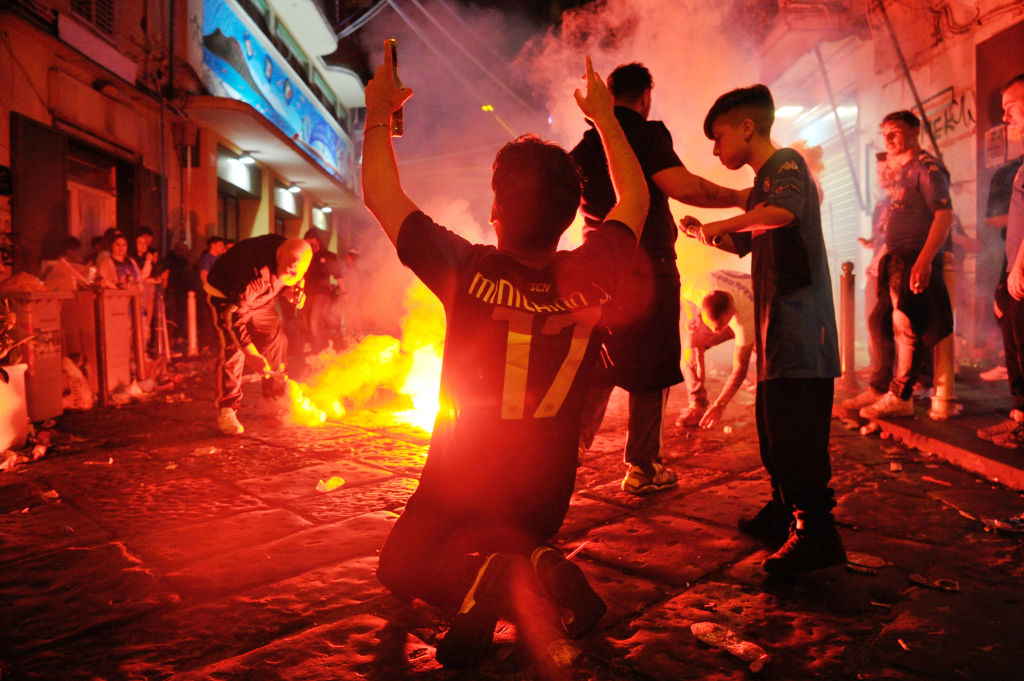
point(376, 125)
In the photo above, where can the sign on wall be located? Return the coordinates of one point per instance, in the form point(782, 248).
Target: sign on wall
point(238, 61)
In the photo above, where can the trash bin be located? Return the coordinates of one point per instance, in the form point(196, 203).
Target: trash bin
point(38, 315)
point(13, 407)
point(98, 328)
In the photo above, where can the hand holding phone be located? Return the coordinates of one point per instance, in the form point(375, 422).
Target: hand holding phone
point(391, 56)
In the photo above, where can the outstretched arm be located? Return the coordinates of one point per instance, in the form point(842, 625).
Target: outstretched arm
point(740, 364)
point(382, 187)
point(684, 186)
point(626, 174)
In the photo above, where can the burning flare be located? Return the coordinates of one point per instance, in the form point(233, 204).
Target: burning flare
point(382, 374)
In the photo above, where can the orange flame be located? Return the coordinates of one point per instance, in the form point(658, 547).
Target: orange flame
point(381, 374)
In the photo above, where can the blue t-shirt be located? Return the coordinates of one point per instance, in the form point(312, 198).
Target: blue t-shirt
point(520, 348)
point(795, 319)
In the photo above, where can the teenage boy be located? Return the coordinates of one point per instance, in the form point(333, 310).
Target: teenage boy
point(521, 344)
point(796, 338)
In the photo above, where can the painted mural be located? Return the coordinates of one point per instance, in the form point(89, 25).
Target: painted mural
point(240, 63)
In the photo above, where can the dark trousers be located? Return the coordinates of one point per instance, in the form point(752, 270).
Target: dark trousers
point(268, 337)
point(793, 420)
point(904, 326)
point(1011, 324)
point(646, 415)
point(435, 551)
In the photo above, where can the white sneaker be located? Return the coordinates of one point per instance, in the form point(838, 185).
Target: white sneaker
point(888, 406)
point(229, 423)
point(864, 399)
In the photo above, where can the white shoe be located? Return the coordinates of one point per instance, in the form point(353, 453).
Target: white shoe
point(229, 423)
point(864, 399)
point(888, 406)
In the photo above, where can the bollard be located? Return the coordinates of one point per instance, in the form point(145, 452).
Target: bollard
point(847, 325)
point(944, 403)
point(193, 336)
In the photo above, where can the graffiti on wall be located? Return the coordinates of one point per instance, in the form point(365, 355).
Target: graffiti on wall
point(950, 113)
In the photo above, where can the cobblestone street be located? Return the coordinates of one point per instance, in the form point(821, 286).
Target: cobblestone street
point(145, 545)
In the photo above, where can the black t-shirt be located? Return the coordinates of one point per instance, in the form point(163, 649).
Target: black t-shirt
point(519, 350)
point(652, 144)
point(324, 265)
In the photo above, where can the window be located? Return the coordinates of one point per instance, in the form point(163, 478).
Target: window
point(296, 57)
point(97, 13)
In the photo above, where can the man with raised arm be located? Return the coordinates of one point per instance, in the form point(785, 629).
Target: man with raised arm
point(643, 347)
point(521, 342)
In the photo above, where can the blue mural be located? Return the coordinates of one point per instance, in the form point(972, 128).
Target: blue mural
point(242, 64)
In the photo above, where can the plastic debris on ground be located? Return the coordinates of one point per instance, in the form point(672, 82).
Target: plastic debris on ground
point(722, 637)
point(1012, 524)
point(333, 483)
point(108, 462)
point(937, 584)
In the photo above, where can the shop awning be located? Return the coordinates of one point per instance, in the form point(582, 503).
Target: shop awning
point(247, 129)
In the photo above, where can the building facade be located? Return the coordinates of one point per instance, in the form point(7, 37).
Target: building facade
point(194, 118)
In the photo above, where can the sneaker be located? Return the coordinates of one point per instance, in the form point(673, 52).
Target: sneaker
point(1011, 440)
point(807, 549)
point(471, 633)
point(568, 587)
point(888, 406)
point(690, 417)
point(1012, 524)
point(1008, 426)
point(864, 399)
point(771, 524)
point(639, 481)
point(228, 422)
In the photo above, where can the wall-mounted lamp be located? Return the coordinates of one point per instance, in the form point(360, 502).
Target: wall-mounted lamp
point(294, 188)
point(246, 158)
point(326, 210)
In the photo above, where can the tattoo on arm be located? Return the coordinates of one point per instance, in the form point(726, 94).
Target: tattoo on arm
point(715, 193)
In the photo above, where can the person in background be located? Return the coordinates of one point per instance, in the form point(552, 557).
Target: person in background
point(118, 270)
point(242, 288)
point(321, 292)
point(719, 307)
point(643, 346)
point(144, 258)
point(915, 298)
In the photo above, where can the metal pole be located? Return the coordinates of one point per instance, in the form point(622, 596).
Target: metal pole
point(847, 325)
point(842, 135)
point(910, 81)
point(138, 338)
point(193, 336)
point(102, 367)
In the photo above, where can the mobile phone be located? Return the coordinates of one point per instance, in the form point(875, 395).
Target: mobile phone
point(397, 118)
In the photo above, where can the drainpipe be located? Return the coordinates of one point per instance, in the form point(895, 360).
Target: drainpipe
point(910, 81)
point(842, 135)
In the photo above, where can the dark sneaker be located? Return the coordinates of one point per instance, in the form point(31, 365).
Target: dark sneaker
point(770, 524)
point(471, 633)
point(640, 481)
point(568, 587)
point(1002, 428)
point(807, 549)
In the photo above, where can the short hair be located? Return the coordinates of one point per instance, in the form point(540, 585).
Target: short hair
point(537, 187)
point(904, 116)
point(716, 304)
point(754, 102)
point(144, 231)
point(1019, 78)
point(213, 240)
point(71, 243)
point(630, 81)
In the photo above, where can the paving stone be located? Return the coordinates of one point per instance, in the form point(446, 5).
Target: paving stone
point(176, 547)
point(362, 647)
point(586, 514)
point(401, 458)
point(292, 555)
point(663, 548)
point(346, 502)
point(239, 458)
point(725, 504)
point(95, 587)
point(46, 528)
point(152, 507)
point(876, 507)
point(302, 482)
